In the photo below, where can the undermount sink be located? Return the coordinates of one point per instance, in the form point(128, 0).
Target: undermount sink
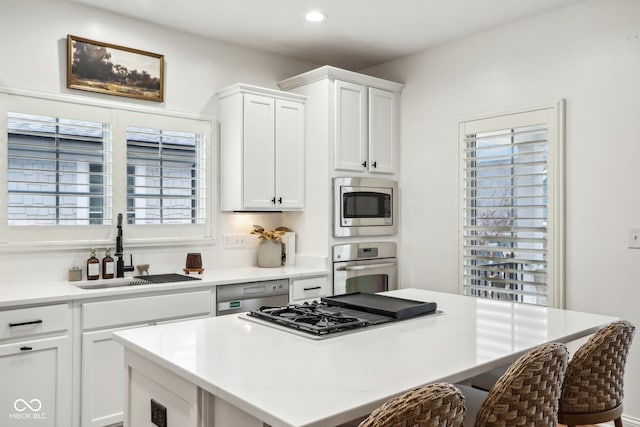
point(149, 279)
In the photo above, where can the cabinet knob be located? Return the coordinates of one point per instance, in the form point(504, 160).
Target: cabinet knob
point(374, 164)
point(364, 163)
point(25, 348)
point(273, 200)
point(280, 200)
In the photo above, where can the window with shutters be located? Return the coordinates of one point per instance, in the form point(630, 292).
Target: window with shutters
point(71, 168)
point(165, 177)
point(58, 171)
point(511, 198)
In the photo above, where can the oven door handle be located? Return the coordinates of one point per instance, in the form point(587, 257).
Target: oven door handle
point(364, 267)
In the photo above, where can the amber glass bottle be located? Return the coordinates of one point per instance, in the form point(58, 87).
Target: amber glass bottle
point(93, 266)
point(108, 266)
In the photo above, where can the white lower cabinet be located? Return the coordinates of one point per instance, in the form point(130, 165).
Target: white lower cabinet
point(102, 373)
point(308, 289)
point(102, 379)
point(35, 370)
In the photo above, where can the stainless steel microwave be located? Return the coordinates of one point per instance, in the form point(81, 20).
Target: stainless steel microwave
point(364, 207)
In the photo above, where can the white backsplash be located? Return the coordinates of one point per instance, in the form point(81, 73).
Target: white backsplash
point(41, 265)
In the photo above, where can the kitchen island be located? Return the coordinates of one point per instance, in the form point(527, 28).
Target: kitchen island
point(228, 371)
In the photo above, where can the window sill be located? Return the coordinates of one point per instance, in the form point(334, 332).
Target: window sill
point(82, 244)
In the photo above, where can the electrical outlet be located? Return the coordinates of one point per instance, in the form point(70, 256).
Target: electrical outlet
point(158, 414)
point(233, 241)
point(634, 238)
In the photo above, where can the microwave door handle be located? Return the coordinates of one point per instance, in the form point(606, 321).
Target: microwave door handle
point(365, 267)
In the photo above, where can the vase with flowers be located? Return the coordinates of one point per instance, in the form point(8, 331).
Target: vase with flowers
point(270, 245)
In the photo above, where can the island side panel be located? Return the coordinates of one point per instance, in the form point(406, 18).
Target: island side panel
point(146, 381)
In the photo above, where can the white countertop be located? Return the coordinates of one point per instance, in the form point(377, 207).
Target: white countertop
point(288, 380)
point(28, 293)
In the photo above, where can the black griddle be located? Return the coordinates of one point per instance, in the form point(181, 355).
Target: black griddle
point(397, 308)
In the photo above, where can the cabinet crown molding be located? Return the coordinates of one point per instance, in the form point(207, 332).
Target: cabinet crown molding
point(329, 72)
point(257, 90)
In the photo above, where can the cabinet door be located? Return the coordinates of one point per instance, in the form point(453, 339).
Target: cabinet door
point(36, 383)
point(258, 152)
point(102, 379)
point(103, 376)
point(350, 127)
point(384, 132)
point(289, 154)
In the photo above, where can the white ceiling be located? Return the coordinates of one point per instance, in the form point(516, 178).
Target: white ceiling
point(356, 35)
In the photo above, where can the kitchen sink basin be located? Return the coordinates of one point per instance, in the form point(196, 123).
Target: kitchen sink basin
point(149, 279)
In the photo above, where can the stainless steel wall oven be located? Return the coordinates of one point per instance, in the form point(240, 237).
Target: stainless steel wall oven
point(364, 267)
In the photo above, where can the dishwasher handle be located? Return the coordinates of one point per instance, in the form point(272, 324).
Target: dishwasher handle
point(252, 290)
point(365, 267)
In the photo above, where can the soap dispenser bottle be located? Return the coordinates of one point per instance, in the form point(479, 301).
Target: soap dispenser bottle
point(93, 266)
point(108, 266)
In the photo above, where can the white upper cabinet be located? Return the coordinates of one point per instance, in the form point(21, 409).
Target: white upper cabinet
point(361, 112)
point(350, 127)
point(367, 128)
point(289, 154)
point(261, 149)
point(258, 156)
point(384, 130)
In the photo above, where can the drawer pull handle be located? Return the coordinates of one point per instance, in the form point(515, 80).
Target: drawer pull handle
point(33, 322)
point(26, 348)
point(313, 288)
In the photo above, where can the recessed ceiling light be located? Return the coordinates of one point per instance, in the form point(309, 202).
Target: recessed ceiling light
point(315, 16)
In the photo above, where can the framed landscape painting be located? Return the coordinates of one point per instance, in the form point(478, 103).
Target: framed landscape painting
point(114, 70)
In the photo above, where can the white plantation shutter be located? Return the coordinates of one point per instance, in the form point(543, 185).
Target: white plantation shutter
point(509, 207)
point(165, 177)
point(167, 168)
point(59, 171)
point(72, 166)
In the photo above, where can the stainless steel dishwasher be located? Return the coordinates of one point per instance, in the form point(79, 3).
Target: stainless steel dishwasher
point(239, 297)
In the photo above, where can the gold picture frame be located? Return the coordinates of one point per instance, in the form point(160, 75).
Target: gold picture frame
point(115, 70)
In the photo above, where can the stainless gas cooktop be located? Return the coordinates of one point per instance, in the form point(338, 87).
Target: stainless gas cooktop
point(333, 316)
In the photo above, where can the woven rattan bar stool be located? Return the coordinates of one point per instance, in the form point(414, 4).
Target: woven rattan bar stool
point(433, 405)
point(593, 386)
point(526, 395)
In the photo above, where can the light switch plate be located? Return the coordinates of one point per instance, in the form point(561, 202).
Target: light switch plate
point(634, 238)
point(233, 241)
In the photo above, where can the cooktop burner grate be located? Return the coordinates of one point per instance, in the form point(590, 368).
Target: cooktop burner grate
point(318, 318)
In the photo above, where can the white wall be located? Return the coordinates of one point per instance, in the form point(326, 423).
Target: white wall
point(588, 54)
point(33, 45)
